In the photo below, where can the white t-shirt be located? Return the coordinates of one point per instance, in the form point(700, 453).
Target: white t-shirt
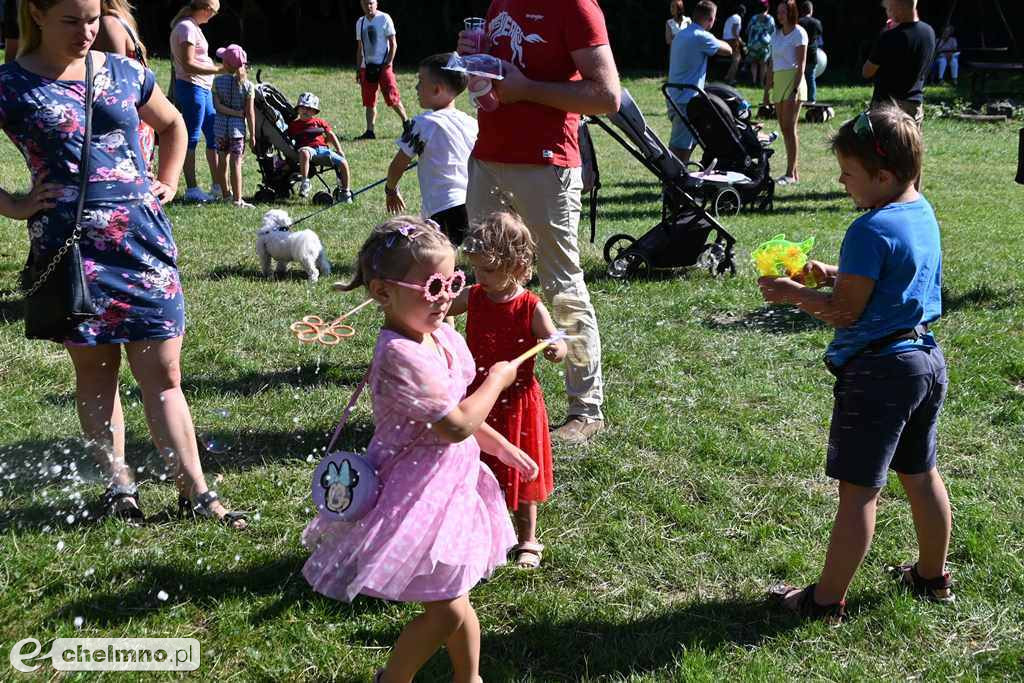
point(187, 32)
point(443, 140)
point(733, 28)
point(374, 34)
point(784, 47)
point(675, 27)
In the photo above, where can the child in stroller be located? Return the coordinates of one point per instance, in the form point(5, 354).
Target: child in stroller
point(282, 159)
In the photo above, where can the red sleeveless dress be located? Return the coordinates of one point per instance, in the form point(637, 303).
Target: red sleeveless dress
point(501, 331)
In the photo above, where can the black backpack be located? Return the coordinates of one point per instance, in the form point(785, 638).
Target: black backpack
point(591, 173)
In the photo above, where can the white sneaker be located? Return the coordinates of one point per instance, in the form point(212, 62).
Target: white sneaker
point(305, 188)
point(242, 204)
point(195, 194)
point(343, 195)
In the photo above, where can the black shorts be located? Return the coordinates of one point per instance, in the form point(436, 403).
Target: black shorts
point(454, 223)
point(885, 416)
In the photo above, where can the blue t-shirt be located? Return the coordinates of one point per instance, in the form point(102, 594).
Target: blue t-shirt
point(688, 61)
point(898, 247)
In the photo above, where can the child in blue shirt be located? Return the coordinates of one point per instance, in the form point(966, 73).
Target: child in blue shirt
point(890, 373)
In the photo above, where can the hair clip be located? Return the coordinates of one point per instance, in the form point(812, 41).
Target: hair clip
point(431, 222)
point(405, 230)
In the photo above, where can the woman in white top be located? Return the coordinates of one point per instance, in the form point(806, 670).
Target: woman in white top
point(676, 22)
point(193, 88)
point(786, 81)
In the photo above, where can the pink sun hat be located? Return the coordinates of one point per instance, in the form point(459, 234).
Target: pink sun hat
point(233, 56)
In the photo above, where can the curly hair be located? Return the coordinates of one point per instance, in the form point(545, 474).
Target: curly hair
point(395, 246)
point(505, 241)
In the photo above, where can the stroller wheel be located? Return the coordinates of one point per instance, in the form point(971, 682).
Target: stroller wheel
point(616, 245)
point(727, 203)
point(264, 195)
point(629, 264)
point(323, 199)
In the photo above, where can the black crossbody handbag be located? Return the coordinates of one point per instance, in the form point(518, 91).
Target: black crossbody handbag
point(56, 294)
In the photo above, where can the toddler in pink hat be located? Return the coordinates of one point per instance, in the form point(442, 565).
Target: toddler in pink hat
point(234, 100)
point(233, 56)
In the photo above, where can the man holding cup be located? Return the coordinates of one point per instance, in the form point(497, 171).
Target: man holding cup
point(558, 64)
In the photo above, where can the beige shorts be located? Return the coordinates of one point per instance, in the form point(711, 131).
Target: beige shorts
point(782, 86)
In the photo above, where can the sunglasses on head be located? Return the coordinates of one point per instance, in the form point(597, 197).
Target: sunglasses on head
point(863, 128)
point(436, 285)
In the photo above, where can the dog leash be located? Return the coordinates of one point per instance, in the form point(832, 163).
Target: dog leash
point(354, 195)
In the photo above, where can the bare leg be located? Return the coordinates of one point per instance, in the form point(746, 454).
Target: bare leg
point(422, 637)
point(157, 368)
point(212, 160)
point(464, 647)
point(788, 111)
point(99, 407)
point(342, 172)
point(933, 520)
point(189, 168)
point(304, 156)
point(682, 154)
point(400, 110)
point(222, 175)
point(236, 176)
point(526, 521)
point(371, 117)
point(851, 538)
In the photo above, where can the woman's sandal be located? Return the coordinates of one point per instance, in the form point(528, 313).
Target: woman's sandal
point(115, 503)
point(805, 606)
point(939, 589)
point(528, 555)
point(201, 508)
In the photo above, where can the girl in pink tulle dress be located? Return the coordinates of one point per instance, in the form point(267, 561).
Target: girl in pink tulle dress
point(439, 525)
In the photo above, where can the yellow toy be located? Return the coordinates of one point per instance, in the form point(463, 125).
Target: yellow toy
point(778, 257)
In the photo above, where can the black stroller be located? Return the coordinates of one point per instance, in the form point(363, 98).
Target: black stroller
point(687, 235)
point(720, 122)
point(276, 154)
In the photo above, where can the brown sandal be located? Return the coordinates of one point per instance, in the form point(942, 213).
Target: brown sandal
point(528, 555)
point(939, 589)
point(805, 606)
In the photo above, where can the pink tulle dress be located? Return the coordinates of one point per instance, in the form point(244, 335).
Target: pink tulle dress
point(440, 523)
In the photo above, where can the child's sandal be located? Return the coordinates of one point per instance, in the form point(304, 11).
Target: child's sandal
point(528, 555)
point(805, 606)
point(939, 589)
point(201, 508)
point(115, 503)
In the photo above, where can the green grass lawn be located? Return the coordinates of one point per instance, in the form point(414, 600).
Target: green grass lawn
point(662, 535)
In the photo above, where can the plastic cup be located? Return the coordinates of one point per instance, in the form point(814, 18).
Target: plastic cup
point(482, 94)
point(475, 33)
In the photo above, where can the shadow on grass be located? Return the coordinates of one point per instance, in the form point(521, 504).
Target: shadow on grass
point(11, 310)
point(770, 319)
point(784, 208)
point(811, 196)
point(982, 296)
point(206, 589)
point(294, 273)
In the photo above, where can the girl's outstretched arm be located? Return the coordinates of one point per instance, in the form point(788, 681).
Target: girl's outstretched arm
point(543, 327)
point(491, 441)
point(465, 419)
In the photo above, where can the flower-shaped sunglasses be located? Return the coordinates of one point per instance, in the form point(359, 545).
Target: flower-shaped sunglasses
point(436, 285)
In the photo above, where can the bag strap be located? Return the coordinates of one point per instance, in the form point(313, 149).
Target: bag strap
point(83, 164)
point(140, 56)
point(348, 409)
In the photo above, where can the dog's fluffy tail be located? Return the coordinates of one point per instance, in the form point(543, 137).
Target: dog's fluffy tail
point(322, 264)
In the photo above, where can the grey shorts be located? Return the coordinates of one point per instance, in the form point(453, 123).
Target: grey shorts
point(885, 416)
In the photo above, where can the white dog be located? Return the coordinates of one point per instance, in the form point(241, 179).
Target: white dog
point(276, 241)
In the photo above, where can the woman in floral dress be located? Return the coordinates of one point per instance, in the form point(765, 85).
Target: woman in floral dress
point(127, 247)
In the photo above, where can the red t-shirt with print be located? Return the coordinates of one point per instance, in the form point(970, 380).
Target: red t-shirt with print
point(538, 36)
point(309, 132)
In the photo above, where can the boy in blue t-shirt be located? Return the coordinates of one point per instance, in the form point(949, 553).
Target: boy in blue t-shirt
point(890, 373)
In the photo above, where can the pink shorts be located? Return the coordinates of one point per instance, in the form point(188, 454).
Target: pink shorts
point(387, 84)
point(231, 145)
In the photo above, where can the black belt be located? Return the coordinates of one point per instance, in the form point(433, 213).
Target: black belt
point(879, 344)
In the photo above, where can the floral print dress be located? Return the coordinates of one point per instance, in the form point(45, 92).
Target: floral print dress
point(128, 251)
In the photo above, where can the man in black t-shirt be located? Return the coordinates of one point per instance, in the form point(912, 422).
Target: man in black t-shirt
point(11, 33)
point(813, 28)
point(901, 59)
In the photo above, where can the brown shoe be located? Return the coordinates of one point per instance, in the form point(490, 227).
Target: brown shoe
point(577, 429)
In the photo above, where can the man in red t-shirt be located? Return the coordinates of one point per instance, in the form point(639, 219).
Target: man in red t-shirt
point(558, 65)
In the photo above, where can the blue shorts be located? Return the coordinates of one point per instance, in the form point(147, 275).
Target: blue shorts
point(325, 156)
point(196, 106)
point(682, 136)
point(885, 416)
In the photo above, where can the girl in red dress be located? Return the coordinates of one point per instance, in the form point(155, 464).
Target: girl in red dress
point(504, 320)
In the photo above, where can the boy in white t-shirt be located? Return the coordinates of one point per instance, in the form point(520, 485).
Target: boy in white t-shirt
point(732, 33)
point(376, 45)
point(442, 138)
